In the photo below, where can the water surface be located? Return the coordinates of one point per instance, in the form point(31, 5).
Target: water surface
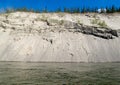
point(21, 73)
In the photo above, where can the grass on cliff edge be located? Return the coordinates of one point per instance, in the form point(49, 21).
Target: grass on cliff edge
point(98, 22)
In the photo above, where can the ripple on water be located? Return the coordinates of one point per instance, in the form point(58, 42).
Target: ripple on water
point(19, 73)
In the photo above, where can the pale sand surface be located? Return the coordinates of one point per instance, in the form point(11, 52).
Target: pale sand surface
point(27, 37)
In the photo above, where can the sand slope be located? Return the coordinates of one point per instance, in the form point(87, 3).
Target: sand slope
point(55, 38)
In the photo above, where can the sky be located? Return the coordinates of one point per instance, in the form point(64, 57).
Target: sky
point(54, 4)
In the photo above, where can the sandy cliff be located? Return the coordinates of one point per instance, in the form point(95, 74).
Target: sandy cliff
point(59, 37)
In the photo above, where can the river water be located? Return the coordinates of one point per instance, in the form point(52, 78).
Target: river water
point(26, 73)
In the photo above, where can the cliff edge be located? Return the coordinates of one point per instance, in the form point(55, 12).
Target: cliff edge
point(59, 37)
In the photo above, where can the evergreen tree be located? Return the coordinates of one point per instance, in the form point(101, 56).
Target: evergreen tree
point(78, 10)
point(113, 9)
point(88, 9)
point(107, 10)
point(67, 10)
point(9, 10)
point(59, 10)
point(45, 10)
point(119, 9)
point(83, 10)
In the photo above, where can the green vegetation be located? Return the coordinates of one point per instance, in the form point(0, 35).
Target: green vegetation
point(43, 18)
point(99, 22)
point(111, 9)
point(61, 22)
point(79, 22)
point(95, 21)
point(24, 9)
point(55, 21)
point(102, 24)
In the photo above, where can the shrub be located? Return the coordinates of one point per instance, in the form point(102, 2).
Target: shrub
point(61, 22)
point(44, 18)
point(95, 21)
point(102, 24)
point(99, 22)
point(9, 10)
point(80, 23)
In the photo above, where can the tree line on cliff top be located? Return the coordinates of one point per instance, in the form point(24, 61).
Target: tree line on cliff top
point(111, 9)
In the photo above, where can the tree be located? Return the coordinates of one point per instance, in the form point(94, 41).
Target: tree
point(45, 10)
point(58, 10)
point(83, 10)
point(113, 9)
point(9, 10)
point(119, 9)
point(67, 10)
point(77, 10)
